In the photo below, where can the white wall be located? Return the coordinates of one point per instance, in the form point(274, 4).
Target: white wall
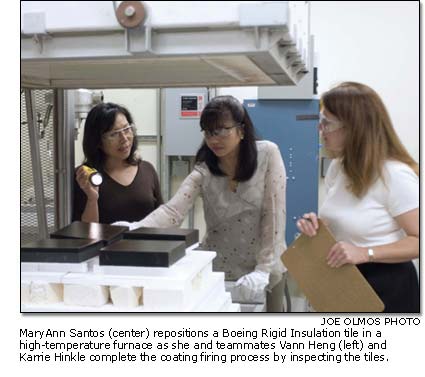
point(375, 43)
point(241, 93)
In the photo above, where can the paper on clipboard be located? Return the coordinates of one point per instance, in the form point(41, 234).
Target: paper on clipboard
point(328, 289)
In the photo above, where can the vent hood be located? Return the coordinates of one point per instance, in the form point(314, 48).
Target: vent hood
point(70, 44)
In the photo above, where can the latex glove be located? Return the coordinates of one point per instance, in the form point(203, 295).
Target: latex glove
point(131, 226)
point(252, 286)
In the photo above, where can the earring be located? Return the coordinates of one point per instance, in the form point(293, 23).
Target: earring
point(241, 137)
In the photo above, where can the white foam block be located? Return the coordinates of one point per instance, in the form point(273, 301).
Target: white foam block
point(227, 303)
point(69, 267)
point(42, 292)
point(86, 295)
point(180, 273)
point(164, 303)
point(25, 292)
point(48, 277)
point(202, 276)
point(126, 297)
point(214, 299)
point(29, 267)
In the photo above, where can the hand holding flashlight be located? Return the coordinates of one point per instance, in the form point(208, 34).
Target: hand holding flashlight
point(89, 180)
point(94, 177)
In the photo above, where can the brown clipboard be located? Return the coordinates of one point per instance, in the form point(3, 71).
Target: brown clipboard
point(328, 289)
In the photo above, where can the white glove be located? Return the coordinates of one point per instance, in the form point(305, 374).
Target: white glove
point(131, 226)
point(252, 286)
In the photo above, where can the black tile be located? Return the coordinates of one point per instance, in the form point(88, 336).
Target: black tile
point(93, 231)
point(60, 250)
point(146, 253)
point(190, 236)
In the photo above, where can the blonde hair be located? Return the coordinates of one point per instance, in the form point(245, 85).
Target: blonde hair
point(370, 137)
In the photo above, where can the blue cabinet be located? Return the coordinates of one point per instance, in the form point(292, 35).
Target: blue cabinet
point(292, 125)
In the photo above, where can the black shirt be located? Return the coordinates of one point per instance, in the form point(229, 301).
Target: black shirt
point(123, 203)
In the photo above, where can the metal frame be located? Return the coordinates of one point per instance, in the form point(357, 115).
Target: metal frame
point(250, 45)
point(64, 155)
point(36, 163)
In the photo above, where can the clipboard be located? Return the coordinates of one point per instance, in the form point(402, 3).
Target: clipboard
point(328, 289)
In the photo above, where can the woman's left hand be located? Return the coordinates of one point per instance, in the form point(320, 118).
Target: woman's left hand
point(342, 253)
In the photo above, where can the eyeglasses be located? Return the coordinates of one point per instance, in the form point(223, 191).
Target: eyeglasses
point(327, 125)
point(219, 132)
point(115, 135)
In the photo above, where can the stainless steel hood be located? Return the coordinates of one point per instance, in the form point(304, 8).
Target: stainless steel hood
point(178, 44)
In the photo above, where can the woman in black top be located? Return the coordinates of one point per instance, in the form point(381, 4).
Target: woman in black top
point(130, 186)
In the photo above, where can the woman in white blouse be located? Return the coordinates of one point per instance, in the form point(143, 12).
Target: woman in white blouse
point(242, 183)
point(372, 195)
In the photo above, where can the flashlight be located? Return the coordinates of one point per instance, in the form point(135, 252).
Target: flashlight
point(95, 177)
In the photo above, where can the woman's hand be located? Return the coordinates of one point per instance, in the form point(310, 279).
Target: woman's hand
point(309, 224)
point(342, 253)
point(83, 181)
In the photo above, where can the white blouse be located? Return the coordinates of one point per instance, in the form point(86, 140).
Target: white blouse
point(246, 227)
point(369, 221)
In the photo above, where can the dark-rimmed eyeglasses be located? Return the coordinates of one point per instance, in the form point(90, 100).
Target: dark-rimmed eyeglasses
point(219, 132)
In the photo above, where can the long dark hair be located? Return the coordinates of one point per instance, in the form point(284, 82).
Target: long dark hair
point(101, 119)
point(218, 110)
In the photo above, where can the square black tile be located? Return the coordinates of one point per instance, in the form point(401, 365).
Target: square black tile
point(145, 253)
point(93, 231)
point(190, 236)
point(60, 250)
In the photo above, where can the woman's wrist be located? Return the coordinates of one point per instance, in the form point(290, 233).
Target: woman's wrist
point(370, 255)
point(367, 255)
point(92, 200)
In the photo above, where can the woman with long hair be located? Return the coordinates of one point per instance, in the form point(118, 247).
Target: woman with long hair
point(372, 195)
point(242, 182)
point(130, 188)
